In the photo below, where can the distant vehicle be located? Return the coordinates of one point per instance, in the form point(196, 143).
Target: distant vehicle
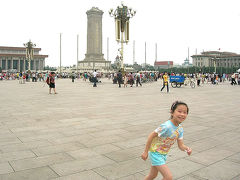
point(178, 81)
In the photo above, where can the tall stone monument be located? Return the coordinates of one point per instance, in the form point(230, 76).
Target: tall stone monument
point(94, 57)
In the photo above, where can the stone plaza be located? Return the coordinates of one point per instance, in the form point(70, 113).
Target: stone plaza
point(86, 133)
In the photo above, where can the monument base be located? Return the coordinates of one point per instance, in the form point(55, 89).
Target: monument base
point(90, 65)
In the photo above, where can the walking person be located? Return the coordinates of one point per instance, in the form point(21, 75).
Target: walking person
point(125, 80)
point(51, 82)
point(160, 141)
point(24, 78)
point(95, 78)
point(233, 79)
point(138, 79)
point(198, 79)
point(119, 78)
point(73, 77)
point(131, 79)
point(20, 78)
point(165, 81)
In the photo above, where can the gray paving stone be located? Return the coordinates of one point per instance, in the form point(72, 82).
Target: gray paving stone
point(136, 176)
point(112, 124)
point(57, 148)
point(122, 169)
point(191, 177)
point(40, 161)
point(71, 139)
point(72, 167)
point(210, 156)
point(131, 143)
point(42, 173)
point(222, 170)
point(78, 131)
point(106, 148)
point(41, 137)
point(101, 140)
point(126, 154)
point(235, 158)
point(11, 156)
point(84, 153)
point(85, 175)
point(6, 141)
point(204, 144)
point(233, 145)
point(5, 168)
point(24, 146)
point(183, 167)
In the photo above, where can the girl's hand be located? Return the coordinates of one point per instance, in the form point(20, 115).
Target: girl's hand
point(144, 156)
point(189, 151)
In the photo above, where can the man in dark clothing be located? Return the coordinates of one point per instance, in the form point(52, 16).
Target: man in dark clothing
point(119, 78)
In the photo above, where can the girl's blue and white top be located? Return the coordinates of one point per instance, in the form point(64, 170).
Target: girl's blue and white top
point(168, 133)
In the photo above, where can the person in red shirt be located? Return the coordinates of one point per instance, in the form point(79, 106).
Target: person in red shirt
point(51, 82)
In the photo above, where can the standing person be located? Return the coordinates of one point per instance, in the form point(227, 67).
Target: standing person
point(138, 79)
point(20, 78)
point(73, 77)
point(125, 79)
point(24, 78)
point(165, 81)
point(198, 79)
point(119, 78)
point(51, 82)
point(131, 79)
point(160, 141)
point(233, 79)
point(95, 78)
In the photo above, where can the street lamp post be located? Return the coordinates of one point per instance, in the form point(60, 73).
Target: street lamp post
point(122, 15)
point(29, 52)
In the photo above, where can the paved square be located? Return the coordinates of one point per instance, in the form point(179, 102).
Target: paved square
point(99, 133)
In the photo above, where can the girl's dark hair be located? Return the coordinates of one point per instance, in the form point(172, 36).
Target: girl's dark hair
point(176, 104)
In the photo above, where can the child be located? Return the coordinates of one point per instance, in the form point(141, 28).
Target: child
point(160, 141)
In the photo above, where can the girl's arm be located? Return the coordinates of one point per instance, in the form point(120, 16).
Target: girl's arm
point(148, 144)
point(183, 147)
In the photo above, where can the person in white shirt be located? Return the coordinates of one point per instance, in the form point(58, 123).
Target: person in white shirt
point(95, 78)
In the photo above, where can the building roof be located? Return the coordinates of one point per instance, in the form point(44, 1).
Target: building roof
point(23, 55)
point(17, 48)
point(216, 54)
point(163, 63)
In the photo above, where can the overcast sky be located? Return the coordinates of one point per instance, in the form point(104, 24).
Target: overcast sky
point(175, 25)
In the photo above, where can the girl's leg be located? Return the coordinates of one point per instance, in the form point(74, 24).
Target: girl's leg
point(152, 174)
point(165, 171)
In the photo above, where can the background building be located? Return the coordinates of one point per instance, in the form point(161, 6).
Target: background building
point(216, 59)
point(163, 64)
point(14, 58)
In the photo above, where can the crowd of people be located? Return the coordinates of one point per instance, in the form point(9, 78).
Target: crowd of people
point(127, 78)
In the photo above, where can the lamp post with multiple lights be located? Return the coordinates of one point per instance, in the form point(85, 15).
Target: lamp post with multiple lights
point(29, 52)
point(122, 15)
